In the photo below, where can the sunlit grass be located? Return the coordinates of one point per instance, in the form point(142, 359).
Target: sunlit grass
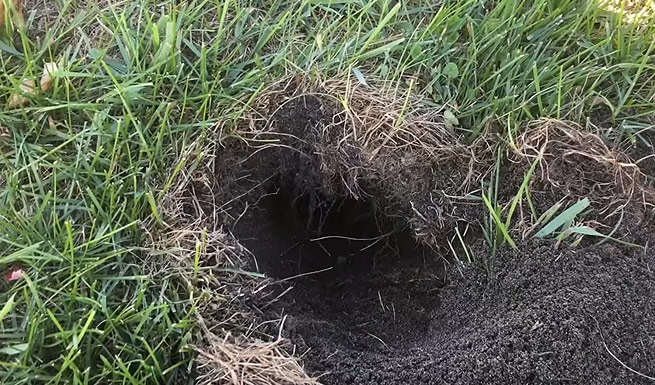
point(83, 164)
point(632, 11)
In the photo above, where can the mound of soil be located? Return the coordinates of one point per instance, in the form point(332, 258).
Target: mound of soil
point(357, 235)
point(543, 317)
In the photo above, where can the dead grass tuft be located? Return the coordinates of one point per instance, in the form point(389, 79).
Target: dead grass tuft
point(380, 134)
point(376, 116)
point(190, 229)
point(229, 360)
point(580, 164)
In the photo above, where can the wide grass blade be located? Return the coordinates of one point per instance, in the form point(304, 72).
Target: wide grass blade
point(566, 217)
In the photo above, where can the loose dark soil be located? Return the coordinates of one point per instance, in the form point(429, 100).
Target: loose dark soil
point(543, 317)
point(643, 151)
point(360, 255)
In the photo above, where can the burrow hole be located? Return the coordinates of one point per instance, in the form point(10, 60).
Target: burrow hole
point(304, 237)
point(349, 269)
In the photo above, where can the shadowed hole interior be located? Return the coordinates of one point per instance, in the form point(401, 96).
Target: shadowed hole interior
point(314, 239)
point(353, 271)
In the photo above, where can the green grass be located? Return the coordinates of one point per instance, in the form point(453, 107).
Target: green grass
point(85, 164)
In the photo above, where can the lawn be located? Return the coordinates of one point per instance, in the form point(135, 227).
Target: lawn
point(101, 281)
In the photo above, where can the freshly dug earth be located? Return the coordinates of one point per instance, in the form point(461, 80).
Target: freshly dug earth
point(543, 317)
point(357, 236)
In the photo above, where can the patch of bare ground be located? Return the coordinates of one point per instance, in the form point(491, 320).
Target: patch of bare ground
point(332, 212)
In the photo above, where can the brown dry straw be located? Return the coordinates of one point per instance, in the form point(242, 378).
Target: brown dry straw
point(381, 132)
point(374, 116)
point(234, 361)
point(190, 230)
point(580, 163)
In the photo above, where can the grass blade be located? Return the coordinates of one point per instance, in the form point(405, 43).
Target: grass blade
point(566, 217)
point(499, 223)
point(586, 230)
point(7, 308)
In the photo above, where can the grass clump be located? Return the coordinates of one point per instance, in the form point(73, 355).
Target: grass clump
point(140, 83)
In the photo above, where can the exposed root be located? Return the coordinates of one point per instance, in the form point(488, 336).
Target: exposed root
point(355, 139)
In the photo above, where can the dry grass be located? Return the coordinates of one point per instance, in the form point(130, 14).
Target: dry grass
point(229, 360)
point(375, 116)
point(190, 241)
point(567, 142)
point(577, 163)
point(186, 228)
point(383, 131)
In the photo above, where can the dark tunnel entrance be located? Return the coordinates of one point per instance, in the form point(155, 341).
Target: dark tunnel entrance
point(303, 236)
point(340, 267)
